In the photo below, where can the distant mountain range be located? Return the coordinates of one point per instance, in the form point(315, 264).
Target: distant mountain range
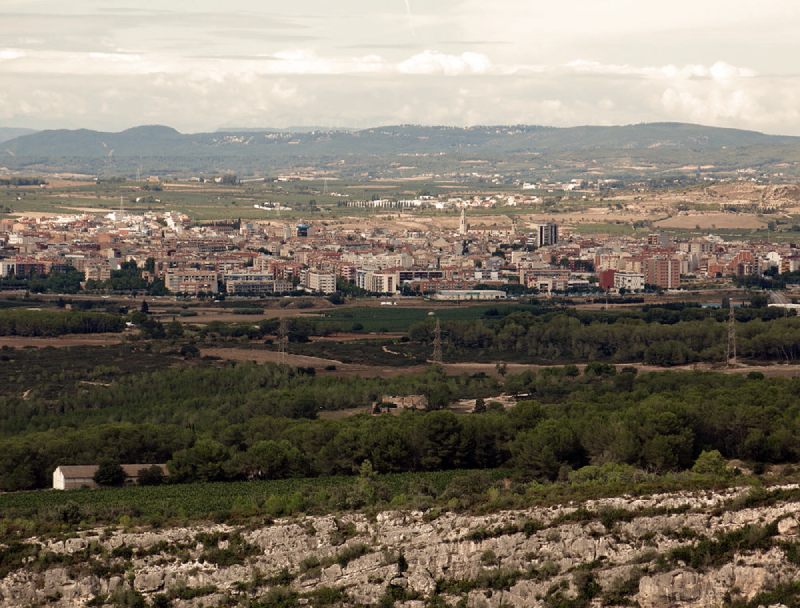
point(7, 133)
point(642, 149)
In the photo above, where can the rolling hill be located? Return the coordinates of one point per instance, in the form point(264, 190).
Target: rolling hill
point(613, 151)
point(7, 133)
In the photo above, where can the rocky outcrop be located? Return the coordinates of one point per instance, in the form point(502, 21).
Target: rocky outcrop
point(681, 549)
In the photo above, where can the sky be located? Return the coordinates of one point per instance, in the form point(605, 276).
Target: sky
point(201, 65)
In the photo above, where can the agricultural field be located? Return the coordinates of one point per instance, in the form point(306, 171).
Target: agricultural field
point(203, 501)
point(385, 319)
point(60, 513)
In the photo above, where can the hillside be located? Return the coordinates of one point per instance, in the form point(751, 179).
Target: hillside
point(681, 549)
point(612, 151)
point(8, 133)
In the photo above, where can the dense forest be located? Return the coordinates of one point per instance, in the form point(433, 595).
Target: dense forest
point(258, 422)
point(658, 336)
point(155, 398)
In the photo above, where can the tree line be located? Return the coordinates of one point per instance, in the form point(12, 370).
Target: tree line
point(655, 336)
point(204, 396)
point(16, 322)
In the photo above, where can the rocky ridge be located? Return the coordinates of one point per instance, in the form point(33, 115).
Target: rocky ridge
point(681, 549)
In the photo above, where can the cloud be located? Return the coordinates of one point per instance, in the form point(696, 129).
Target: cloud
point(8, 54)
point(353, 64)
point(719, 71)
point(435, 62)
point(285, 62)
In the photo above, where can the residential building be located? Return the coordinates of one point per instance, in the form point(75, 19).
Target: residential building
point(322, 282)
point(545, 234)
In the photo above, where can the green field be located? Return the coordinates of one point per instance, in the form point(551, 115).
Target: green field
point(399, 319)
point(44, 511)
point(309, 199)
point(52, 512)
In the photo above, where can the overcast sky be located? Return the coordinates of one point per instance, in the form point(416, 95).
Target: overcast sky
point(200, 65)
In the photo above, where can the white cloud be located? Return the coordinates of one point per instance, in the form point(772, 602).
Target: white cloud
point(719, 71)
point(8, 54)
point(353, 62)
point(435, 62)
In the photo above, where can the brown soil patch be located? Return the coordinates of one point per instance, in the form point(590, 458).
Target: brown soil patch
point(711, 221)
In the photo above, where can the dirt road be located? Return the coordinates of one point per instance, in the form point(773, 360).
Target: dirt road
point(455, 369)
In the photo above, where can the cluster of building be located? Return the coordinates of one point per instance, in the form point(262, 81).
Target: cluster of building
point(273, 257)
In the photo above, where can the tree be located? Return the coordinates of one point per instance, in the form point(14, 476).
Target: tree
point(145, 308)
point(204, 461)
point(270, 460)
point(151, 476)
point(109, 473)
point(153, 329)
point(174, 329)
point(336, 298)
point(189, 351)
point(441, 438)
point(710, 463)
point(542, 451)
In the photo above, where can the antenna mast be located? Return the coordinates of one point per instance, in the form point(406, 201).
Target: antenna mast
point(730, 355)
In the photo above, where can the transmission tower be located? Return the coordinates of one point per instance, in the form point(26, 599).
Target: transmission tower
point(283, 338)
point(731, 350)
point(437, 344)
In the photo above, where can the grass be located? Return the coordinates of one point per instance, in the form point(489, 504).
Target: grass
point(59, 511)
point(399, 319)
point(51, 371)
point(54, 513)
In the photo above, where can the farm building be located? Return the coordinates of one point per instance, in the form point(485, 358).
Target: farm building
point(399, 402)
point(71, 477)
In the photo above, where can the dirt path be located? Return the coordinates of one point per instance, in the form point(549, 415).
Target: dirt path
point(773, 370)
point(319, 363)
point(454, 369)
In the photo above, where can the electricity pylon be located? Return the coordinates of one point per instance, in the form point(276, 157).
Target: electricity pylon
point(730, 354)
point(437, 344)
point(283, 338)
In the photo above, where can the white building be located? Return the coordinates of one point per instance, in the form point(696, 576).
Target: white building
point(323, 282)
point(73, 477)
point(465, 295)
point(629, 281)
point(191, 281)
point(254, 284)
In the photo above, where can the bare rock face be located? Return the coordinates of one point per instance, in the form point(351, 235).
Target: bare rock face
point(682, 549)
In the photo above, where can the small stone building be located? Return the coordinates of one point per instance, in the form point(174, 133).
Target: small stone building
point(400, 402)
point(71, 477)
